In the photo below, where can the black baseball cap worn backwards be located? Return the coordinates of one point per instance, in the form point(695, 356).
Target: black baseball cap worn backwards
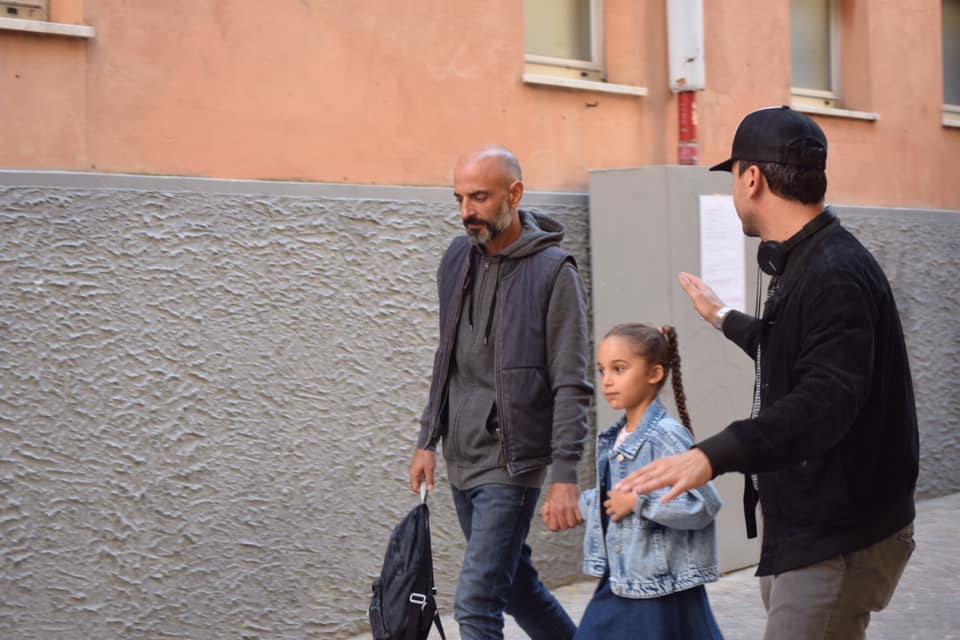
point(781, 135)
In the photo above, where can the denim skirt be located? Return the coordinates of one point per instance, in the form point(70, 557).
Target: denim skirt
point(684, 614)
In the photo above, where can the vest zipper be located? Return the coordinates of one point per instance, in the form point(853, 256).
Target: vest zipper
point(483, 279)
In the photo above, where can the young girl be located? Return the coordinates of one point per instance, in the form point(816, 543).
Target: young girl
point(653, 558)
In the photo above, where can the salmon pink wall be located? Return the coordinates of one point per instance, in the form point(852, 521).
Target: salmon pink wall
point(370, 92)
point(892, 67)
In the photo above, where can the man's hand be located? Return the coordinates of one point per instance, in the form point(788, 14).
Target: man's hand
point(560, 510)
point(421, 469)
point(705, 301)
point(682, 472)
point(620, 504)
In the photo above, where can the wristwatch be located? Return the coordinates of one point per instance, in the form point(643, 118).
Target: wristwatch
point(720, 317)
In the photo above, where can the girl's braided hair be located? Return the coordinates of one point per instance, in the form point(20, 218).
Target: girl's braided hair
point(658, 348)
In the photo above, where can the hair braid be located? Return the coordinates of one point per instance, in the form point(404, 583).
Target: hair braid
point(676, 379)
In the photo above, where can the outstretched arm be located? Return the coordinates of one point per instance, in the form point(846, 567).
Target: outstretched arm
point(704, 300)
point(742, 329)
point(681, 472)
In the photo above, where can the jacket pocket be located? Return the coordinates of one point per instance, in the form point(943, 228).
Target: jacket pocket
point(528, 401)
point(470, 439)
point(643, 548)
point(812, 491)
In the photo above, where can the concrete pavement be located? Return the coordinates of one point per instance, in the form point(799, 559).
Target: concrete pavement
point(925, 606)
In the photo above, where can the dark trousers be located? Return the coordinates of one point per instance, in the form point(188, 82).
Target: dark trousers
point(832, 600)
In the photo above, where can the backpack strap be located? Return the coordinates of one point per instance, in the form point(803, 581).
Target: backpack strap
point(422, 603)
point(421, 608)
point(425, 602)
point(436, 621)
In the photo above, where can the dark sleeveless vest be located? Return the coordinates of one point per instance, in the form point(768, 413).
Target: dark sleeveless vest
point(524, 391)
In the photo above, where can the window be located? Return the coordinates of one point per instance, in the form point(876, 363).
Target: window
point(27, 9)
point(564, 37)
point(951, 62)
point(34, 16)
point(815, 52)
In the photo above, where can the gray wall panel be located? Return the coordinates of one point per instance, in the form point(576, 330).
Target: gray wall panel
point(644, 226)
point(645, 229)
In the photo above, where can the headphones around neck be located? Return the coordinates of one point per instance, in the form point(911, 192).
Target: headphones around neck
point(772, 255)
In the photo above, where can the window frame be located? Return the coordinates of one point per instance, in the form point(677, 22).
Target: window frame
point(819, 97)
point(949, 112)
point(38, 10)
point(593, 68)
point(48, 26)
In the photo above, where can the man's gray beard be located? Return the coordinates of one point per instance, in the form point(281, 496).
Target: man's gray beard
point(482, 237)
point(492, 229)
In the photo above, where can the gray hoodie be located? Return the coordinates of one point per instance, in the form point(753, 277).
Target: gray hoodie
point(471, 446)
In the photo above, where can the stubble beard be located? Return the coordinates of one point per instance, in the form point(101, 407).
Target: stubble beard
point(748, 224)
point(490, 229)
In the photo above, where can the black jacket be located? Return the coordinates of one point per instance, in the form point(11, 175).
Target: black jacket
point(835, 443)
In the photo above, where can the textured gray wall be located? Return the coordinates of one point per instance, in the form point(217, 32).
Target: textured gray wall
point(209, 389)
point(919, 253)
point(208, 401)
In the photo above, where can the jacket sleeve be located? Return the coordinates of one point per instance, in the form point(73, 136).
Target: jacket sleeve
point(568, 358)
point(587, 502)
point(423, 437)
point(693, 509)
point(831, 377)
point(743, 330)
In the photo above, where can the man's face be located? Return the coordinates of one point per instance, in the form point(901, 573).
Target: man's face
point(741, 202)
point(482, 231)
point(482, 191)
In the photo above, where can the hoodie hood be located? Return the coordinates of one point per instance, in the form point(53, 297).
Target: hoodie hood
point(539, 231)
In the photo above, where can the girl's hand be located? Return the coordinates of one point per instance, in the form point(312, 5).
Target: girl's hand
point(619, 504)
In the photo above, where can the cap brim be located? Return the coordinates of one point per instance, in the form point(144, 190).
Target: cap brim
point(726, 165)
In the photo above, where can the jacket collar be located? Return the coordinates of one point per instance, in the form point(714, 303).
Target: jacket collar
point(629, 447)
point(799, 254)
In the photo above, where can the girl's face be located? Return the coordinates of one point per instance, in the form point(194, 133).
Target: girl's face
point(626, 379)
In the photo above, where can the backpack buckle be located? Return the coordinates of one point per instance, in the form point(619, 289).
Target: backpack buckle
point(420, 599)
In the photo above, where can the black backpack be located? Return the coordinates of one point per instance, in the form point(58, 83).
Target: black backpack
point(403, 605)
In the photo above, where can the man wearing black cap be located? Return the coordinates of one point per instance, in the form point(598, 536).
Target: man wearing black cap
point(831, 448)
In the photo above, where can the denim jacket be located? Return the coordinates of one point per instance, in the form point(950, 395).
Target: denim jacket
point(659, 548)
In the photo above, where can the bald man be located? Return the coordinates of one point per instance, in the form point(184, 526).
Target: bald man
point(509, 395)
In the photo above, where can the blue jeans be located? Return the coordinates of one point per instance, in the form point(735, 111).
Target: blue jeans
point(497, 574)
